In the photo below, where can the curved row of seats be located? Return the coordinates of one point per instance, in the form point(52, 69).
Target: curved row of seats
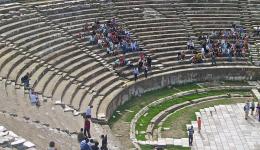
point(165, 36)
point(41, 38)
point(72, 20)
point(58, 68)
point(207, 17)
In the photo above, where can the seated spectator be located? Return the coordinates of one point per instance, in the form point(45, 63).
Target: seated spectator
point(202, 52)
point(116, 62)
point(100, 42)
point(122, 60)
point(133, 45)
point(140, 65)
point(114, 35)
point(190, 45)
point(258, 31)
point(179, 56)
point(141, 55)
point(182, 55)
point(192, 59)
point(86, 29)
point(198, 58)
point(129, 63)
point(92, 39)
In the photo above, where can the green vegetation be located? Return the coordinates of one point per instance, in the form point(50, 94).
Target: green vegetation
point(178, 120)
point(149, 147)
point(144, 120)
point(135, 104)
point(236, 83)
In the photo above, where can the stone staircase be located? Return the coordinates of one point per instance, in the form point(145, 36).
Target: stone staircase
point(245, 19)
point(245, 15)
point(184, 19)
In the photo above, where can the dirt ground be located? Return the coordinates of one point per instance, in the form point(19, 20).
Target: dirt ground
point(121, 130)
point(37, 135)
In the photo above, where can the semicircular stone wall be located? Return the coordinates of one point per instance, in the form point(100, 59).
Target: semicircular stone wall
point(221, 73)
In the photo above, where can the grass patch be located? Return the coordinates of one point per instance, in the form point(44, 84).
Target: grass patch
point(135, 104)
point(178, 120)
point(149, 147)
point(235, 83)
point(144, 120)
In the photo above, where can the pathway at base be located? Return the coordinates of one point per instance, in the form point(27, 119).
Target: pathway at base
point(226, 129)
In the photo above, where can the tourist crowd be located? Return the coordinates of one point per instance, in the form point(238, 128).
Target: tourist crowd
point(111, 36)
point(116, 40)
point(255, 109)
point(222, 43)
point(84, 136)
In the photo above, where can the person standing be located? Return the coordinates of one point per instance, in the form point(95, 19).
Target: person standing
point(252, 107)
point(191, 132)
point(25, 80)
point(81, 135)
point(229, 52)
point(246, 109)
point(199, 124)
point(104, 142)
point(136, 72)
point(149, 62)
point(213, 58)
point(34, 98)
point(145, 71)
point(258, 111)
point(87, 128)
point(88, 111)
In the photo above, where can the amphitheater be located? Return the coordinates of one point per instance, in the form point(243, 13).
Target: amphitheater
point(69, 74)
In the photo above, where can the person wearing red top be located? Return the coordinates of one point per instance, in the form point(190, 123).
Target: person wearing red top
point(141, 55)
point(199, 124)
point(122, 60)
point(87, 128)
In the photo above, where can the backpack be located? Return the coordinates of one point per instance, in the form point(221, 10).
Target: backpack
point(245, 108)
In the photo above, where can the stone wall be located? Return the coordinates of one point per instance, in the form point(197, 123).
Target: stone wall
point(232, 73)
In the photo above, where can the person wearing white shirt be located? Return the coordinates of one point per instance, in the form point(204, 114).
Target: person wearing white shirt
point(33, 97)
point(88, 111)
point(203, 52)
point(190, 45)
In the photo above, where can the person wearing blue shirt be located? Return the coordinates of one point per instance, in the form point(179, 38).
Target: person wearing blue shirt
point(84, 145)
point(191, 132)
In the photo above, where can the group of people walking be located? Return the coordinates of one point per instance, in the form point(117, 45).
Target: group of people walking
point(84, 136)
point(255, 110)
